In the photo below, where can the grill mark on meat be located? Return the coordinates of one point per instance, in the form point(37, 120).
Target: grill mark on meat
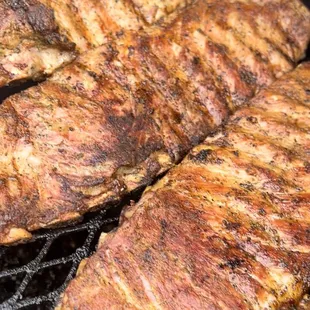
point(249, 206)
point(213, 66)
point(289, 60)
point(217, 254)
point(223, 45)
point(292, 97)
point(126, 111)
point(171, 234)
point(90, 22)
point(100, 8)
point(276, 141)
point(178, 133)
point(161, 82)
point(294, 136)
point(89, 18)
point(174, 90)
point(291, 29)
point(70, 23)
point(222, 30)
point(218, 57)
point(136, 10)
point(298, 120)
point(30, 41)
point(197, 78)
point(136, 97)
point(78, 20)
point(278, 117)
point(61, 24)
point(280, 155)
point(189, 85)
point(255, 228)
point(249, 177)
point(275, 98)
point(220, 87)
point(244, 26)
point(210, 233)
point(272, 38)
point(41, 19)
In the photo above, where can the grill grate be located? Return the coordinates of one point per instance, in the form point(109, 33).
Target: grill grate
point(33, 275)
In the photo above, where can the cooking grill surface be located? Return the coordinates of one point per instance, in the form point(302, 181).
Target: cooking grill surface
point(33, 275)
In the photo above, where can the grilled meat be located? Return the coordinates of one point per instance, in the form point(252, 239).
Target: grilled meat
point(34, 33)
point(88, 22)
point(226, 229)
point(278, 24)
point(305, 303)
point(125, 112)
point(39, 36)
point(30, 44)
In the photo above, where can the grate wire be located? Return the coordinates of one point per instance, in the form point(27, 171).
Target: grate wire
point(22, 274)
point(29, 293)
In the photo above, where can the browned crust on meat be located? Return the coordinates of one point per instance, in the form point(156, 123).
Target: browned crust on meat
point(55, 26)
point(127, 111)
point(31, 46)
point(304, 304)
point(228, 228)
point(41, 19)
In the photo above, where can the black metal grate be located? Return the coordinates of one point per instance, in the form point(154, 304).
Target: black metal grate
point(33, 275)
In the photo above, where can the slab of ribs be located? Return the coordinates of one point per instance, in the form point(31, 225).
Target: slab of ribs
point(39, 36)
point(228, 228)
point(127, 111)
point(134, 85)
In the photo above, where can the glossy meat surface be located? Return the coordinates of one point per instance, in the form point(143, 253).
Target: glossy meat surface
point(39, 36)
point(276, 22)
point(305, 303)
point(32, 32)
point(125, 112)
point(87, 22)
point(30, 44)
point(228, 228)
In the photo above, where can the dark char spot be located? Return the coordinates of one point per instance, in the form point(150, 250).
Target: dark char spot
point(234, 263)
point(202, 156)
point(247, 186)
point(231, 225)
point(252, 119)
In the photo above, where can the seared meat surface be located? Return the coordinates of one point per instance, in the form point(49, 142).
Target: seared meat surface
point(305, 303)
point(39, 36)
point(226, 229)
point(87, 23)
point(30, 44)
point(277, 23)
point(125, 112)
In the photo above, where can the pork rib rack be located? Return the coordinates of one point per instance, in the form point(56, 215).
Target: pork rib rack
point(226, 229)
point(127, 111)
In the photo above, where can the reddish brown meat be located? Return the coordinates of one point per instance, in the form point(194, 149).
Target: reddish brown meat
point(127, 111)
point(30, 44)
point(38, 36)
point(226, 229)
point(33, 33)
point(305, 303)
point(87, 22)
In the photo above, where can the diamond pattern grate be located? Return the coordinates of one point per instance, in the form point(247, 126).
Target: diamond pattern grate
point(33, 275)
